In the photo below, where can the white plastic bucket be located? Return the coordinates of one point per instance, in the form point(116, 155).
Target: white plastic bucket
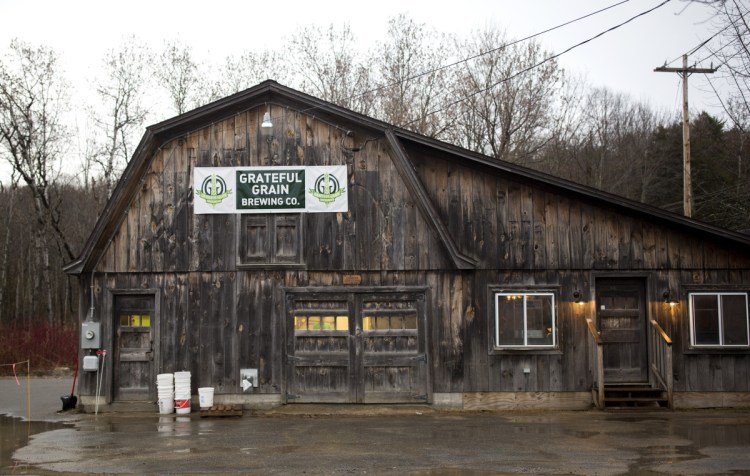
point(206, 397)
point(166, 405)
point(182, 406)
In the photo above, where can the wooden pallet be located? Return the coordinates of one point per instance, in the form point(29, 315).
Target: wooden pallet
point(222, 411)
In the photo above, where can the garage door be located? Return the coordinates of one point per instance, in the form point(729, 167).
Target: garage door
point(356, 347)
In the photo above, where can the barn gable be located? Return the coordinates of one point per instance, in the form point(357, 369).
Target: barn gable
point(426, 289)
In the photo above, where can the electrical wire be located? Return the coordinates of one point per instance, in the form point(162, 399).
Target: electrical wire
point(478, 55)
point(705, 42)
point(506, 45)
point(534, 66)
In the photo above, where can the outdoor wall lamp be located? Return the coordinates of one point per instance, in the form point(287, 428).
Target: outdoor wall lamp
point(578, 297)
point(668, 299)
point(266, 127)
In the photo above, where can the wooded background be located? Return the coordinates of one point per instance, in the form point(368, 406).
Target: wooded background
point(484, 91)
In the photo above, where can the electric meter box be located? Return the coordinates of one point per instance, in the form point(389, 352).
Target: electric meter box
point(91, 335)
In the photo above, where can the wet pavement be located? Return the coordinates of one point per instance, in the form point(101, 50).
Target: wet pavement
point(380, 440)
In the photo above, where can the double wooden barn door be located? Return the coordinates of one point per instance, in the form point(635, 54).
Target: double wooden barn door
point(356, 347)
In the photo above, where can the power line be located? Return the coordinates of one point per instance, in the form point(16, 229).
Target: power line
point(705, 42)
point(506, 45)
point(546, 60)
point(479, 55)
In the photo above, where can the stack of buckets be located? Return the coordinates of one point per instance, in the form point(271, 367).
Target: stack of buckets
point(165, 390)
point(182, 392)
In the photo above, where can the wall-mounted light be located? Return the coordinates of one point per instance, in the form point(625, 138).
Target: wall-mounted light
point(668, 299)
point(578, 297)
point(266, 127)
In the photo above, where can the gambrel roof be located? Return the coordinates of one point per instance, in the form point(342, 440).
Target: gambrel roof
point(401, 142)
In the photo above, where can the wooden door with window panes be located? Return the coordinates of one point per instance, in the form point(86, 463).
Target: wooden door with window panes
point(621, 319)
point(134, 341)
point(356, 348)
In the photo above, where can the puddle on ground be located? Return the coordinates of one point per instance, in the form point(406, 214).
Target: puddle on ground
point(15, 433)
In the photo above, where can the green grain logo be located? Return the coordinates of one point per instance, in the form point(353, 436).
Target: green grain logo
point(214, 190)
point(327, 189)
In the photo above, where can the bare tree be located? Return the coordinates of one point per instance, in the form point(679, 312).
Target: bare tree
point(248, 69)
point(177, 72)
point(33, 95)
point(121, 112)
point(411, 80)
point(505, 97)
point(615, 145)
point(732, 22)
point(11, 201)
point(327, 63)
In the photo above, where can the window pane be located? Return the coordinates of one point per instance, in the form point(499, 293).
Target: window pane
point(410, 322)
point(342, 323)
point(397, 322)
point(539, 320)
point(124, 320)
point(734, 319)
point(706, 319)
point(300, 323)
point(382, 324)
point(368, 323)
point(329, 323)
point(146, 320)
point(313, 323)
point(510, 320)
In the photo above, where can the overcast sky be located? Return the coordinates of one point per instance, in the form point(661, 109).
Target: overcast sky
point(623, 60)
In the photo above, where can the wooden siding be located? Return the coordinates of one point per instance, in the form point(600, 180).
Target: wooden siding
point(217, 318)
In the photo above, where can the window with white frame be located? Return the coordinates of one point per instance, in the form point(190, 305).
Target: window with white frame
point(525, 320)
point(719, 319)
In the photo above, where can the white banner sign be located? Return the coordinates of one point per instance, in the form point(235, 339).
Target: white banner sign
point(313, 189)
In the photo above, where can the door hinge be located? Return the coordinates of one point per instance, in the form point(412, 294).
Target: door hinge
point(420, 397)
point(420, 358)
point(291, 396)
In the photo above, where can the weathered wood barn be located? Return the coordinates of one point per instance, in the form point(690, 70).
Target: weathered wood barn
point(447, 278)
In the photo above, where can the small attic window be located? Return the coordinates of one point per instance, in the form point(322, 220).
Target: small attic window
point(270, 239)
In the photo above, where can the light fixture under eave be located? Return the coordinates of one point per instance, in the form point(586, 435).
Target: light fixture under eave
point(578, 297)
point(266, 127)
point(266, 124)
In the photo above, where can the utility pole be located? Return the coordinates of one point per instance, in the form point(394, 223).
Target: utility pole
point(684, 72)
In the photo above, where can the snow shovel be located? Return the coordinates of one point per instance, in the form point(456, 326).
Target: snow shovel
point(69, 401)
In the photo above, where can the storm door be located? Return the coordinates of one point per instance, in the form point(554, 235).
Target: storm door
point(134, 339)
point(621, 319)
point(356, 348)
